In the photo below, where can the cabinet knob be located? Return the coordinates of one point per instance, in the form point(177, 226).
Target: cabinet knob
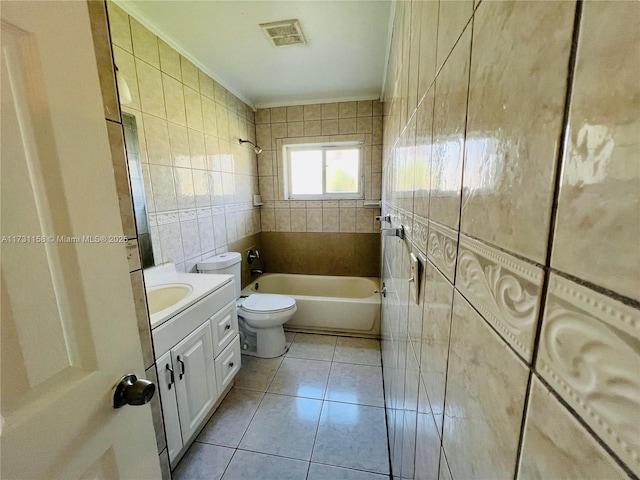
point(227, 327)
point(231, 365)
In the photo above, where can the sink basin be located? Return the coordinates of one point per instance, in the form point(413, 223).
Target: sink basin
point(161, 297)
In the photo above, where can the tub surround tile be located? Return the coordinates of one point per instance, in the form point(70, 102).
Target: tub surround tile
point(481, 416)
point(119, 27)
point(557, 446)
point(301, 377)
point(598, 220)
point(313, 347)
point(256, 374)
point(352, 436)
point(590, 356)
point(350, 383)
point(450, 112)
point(363, 351)
point(505, 178)
point(203, 461)
point(230, 421)
point(442, 248)
point(257, 465)
point(504, 289)
point(292, 420)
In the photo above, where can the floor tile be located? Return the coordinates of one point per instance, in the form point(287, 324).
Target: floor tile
point(361, 384)
point(232, 418)
point(313, 347)
point(289, 336)
point(365, 351)
point(203, 461)
point(318, 471)
point(301, 377)
point(283, 426)
point(252, 466)
point(256, 373)
point(353, 436)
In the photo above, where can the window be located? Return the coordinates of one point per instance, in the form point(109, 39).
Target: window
point(324, 171)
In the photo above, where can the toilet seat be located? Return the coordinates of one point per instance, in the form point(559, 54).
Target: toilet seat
point(266, 303)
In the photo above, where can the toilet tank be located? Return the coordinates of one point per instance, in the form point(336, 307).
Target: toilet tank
point(226, 264)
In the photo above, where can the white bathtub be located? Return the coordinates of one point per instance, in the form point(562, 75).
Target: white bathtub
point(326, 304)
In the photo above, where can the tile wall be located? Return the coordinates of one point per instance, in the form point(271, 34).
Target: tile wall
point(338, 224)
point(199, 180)
point(512, 161)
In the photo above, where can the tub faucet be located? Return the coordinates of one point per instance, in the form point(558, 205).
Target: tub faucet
point(255, 271)
point(251, 256)
point(393, 232)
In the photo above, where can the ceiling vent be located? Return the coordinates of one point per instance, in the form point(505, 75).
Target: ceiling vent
point(284, 32)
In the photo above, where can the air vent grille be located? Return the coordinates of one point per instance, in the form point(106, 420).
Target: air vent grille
point(284, 32)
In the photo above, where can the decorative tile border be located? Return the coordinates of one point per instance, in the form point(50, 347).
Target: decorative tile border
point(590, 354)
point(420, 233)
point(442, 246)
point(504, 289)
point(175, 216)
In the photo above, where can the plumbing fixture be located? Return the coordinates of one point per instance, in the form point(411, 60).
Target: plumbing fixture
point(251, 256)
point(393, 232)
point(256, 271)
point(383, 291)
point(256, 148)
point(383, 218)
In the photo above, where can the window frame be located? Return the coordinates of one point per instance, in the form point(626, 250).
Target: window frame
point(324, 147)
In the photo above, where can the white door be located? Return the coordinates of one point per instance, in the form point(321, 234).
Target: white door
point(195, 379)
point(69, 330)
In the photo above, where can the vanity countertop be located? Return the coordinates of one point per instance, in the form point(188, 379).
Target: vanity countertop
point(201, 285)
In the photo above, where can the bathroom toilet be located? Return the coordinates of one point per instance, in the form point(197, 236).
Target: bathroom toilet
point(261, 316)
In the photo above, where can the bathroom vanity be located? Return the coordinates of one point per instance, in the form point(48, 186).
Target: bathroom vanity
point(197, 350)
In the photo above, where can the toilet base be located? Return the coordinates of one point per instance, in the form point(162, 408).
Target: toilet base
point(262, 342)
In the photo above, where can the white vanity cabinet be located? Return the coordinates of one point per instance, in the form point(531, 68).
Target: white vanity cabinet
point(198, 355)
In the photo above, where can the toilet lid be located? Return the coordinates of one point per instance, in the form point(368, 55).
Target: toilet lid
point(267, 303)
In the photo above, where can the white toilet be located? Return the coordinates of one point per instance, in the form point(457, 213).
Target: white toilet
point(261, 316)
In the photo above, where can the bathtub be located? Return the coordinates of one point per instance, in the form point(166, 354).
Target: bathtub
point(326, 304)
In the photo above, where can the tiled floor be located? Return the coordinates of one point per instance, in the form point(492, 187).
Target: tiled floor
point(316, 413)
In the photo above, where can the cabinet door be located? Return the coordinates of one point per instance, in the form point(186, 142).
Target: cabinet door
point(167, 389)
point(224, 327)
point(195, 379)
point(228, 364)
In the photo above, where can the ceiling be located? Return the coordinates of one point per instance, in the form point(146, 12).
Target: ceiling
point(344, 57)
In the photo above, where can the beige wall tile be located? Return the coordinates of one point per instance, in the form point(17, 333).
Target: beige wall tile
point(179, 142)
point(121, 173)
point(330, 219)
point(298, 220)
point(485, 415)
point(189, 74)
point(422, 168)
point(442, 248)
point(330, 127)
point(220, 94)
point(157, 137)
point(164, 194)
point(436, 327)
point(174, 100)
point(598, 221)
point(364, 125)
point(450, 112)
point(263, 115)
point(144, 328)
point(453, 17)
point(312, 112)
point(557, 446)
point(197, 150)
point(505, 179)
point(312, 128)
point(206, 85)
point(295, 114)
point(329, 111)
point(119, 27)
point(428, 38)
point(209, 116)
point(145, 43)
point(171, 243)
point(279, 115)
point(283, 220)
point(599, 334)
point(150, 87)
point(169, 60)
point(127, 67)
point(223, 123)
point(295, 129)
point(314, 219)
point(348, 109)
point(193, 108)
point(347, 219)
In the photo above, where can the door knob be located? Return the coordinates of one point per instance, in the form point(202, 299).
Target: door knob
point(133, 391)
